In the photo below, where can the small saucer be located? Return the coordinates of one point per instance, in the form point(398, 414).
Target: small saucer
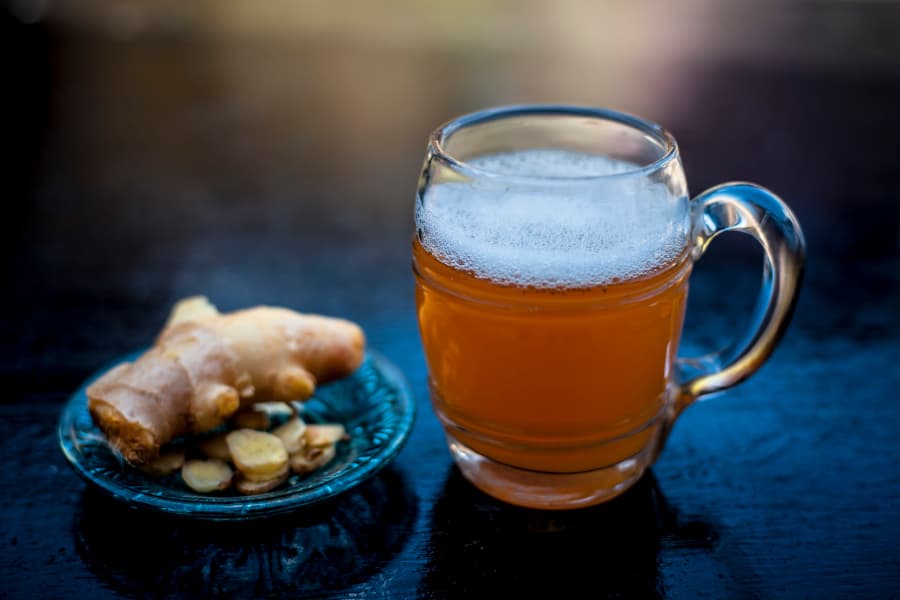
point(374, 404)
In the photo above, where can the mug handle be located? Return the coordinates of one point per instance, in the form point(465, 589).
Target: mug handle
point(756, 211)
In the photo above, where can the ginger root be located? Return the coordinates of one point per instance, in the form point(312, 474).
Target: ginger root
point(206, 365)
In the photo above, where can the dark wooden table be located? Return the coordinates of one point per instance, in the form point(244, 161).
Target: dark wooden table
point(271, 157)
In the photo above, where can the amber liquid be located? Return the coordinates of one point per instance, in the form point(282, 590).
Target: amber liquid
point(553, 380)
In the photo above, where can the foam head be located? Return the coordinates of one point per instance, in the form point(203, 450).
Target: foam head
point(550, 235)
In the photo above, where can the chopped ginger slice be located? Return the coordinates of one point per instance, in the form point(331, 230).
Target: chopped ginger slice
point(206, 476)
point(166, 463)
point(318, 436)
point(249, 487)
point(311, 459)
point(257, 452)
point(216, 447)
point(292, 435)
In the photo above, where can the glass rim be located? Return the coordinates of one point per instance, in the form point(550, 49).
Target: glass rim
point(654, 130)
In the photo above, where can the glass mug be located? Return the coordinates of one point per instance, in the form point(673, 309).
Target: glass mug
point(552, 253)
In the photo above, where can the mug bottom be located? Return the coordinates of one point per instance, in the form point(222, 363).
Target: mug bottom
point(549, 491)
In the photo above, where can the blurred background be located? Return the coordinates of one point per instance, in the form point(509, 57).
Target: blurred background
point(158, 149)
point(268, 152)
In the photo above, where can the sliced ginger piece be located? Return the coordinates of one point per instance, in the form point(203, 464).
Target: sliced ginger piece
point(165, 464)
point(248, 487)
point(216, 447)
point(257, 478)
point(256, 452)
point(251, 419)
point(292, 435)
point(261, 415)
point(319, 436)
point(207, 476)
point(275, 410)
point(311, 459)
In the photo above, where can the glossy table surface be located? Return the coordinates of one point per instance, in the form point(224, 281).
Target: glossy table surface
point(272, 158)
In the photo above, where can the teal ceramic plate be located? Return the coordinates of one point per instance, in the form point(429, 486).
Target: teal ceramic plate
point(374, 404)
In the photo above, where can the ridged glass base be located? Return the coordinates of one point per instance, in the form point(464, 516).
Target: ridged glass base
point(551, 491)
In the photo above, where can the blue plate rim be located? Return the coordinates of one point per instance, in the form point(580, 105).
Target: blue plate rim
point(231, 508)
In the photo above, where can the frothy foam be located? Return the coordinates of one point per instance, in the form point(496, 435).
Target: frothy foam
point(553, 236)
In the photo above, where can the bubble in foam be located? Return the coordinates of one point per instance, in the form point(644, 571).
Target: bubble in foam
point(580, 235)
point(550, 163)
